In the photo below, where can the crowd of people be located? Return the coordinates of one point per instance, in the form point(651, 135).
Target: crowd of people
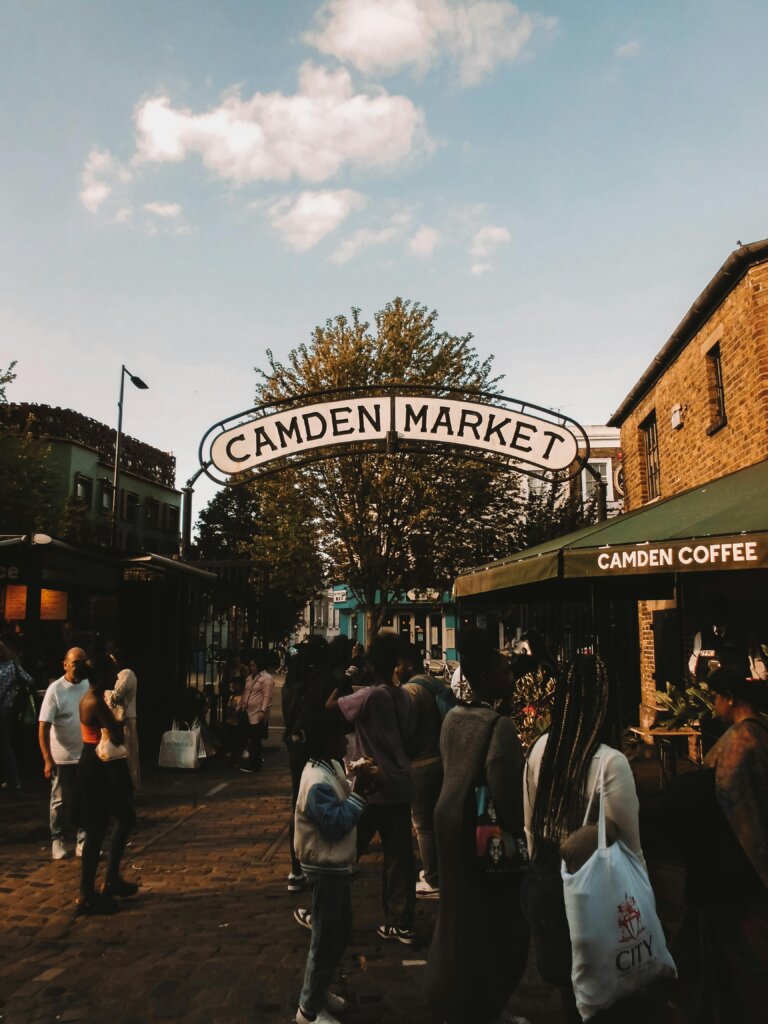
point(507, 816)
point(512, 781)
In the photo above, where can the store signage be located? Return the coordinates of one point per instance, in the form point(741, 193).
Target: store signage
point(529, 441)
point(15, 603)
point(53, 605)
point(675, 556)
point(423, 595)
point(339, 596)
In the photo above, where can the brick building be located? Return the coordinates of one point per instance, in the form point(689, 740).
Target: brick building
point(698, 414)
point(689, 556)
point(700, 410)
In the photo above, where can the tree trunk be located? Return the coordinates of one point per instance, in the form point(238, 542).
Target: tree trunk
point(371, 624)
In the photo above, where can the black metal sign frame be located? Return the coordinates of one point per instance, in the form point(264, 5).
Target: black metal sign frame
point(523, 420)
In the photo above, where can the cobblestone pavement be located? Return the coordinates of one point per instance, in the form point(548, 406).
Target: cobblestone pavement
point(210, 939)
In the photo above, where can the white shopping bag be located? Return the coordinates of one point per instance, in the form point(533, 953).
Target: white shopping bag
point(617, 942)
point(179, 747)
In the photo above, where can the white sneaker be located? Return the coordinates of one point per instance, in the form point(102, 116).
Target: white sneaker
point(323, 1017)
point(425, 891)
point(58, 850)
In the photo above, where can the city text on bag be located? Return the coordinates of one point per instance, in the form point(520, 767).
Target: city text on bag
point(617, 943)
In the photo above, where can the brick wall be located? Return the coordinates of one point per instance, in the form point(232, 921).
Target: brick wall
point(647, 666)
point(692, 455)
point(698, 451)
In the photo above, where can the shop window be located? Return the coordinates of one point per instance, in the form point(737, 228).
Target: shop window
point(131, 507)
point(716, 389)
point(152, 513)
point(651, 450)
point(84, 490)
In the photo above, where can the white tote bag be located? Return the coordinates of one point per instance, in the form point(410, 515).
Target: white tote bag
point(179, 747)
point(617, 942)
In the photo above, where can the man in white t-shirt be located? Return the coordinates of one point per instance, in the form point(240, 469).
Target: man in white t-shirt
point(61, 744)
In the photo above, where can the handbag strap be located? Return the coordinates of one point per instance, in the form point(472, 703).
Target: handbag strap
point(598, 788)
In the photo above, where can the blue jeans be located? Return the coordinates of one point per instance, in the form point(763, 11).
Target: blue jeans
point(63, 801)
point(331, 925)
point(427, 783)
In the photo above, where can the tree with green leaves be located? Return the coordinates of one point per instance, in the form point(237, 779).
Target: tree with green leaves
point(268, 526)
point(28, 495)
point(389, 523)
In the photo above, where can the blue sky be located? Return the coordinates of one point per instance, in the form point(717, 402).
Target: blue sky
point(185, 185)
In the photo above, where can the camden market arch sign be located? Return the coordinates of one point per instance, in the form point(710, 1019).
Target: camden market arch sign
point(478, 425)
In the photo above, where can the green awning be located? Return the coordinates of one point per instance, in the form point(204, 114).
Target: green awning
point(719, 525)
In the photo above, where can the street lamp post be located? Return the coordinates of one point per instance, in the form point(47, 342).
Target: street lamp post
point(139, 383)
point(186, 519)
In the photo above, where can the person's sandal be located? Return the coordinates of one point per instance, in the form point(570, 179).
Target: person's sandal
point(303, 917)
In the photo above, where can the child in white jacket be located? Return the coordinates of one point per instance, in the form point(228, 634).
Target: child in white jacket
point(327, 812)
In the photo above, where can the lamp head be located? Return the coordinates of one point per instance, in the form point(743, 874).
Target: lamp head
point(138, 382)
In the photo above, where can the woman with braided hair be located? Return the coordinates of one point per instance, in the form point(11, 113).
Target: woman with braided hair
point(560, 774)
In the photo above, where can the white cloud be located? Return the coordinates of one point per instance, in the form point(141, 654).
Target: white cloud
point(424, 241)
point(365, 238)
point(312, 135)
point(483, 244)
point(478, 269)
point(164, 210)
point(627, 50)
point(306, 219)
point(486, 239)
point(387, 36)
point(101, 173)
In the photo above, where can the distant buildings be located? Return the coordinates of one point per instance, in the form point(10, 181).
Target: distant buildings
point(83, 457)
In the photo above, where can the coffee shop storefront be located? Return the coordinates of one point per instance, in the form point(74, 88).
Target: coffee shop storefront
point(698, 561)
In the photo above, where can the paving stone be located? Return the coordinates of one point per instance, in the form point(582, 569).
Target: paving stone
point(210, 939)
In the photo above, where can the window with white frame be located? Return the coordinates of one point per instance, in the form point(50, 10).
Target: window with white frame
point(589, 484)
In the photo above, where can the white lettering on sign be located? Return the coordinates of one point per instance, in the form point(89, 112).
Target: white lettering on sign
point(423, 595)
point(520, 436)
point(722, 553)
point(9, 572)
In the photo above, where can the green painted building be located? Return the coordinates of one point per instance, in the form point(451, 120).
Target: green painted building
point(82, 455)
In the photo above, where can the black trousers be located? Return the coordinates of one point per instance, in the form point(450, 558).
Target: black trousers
point(398, 880)
point(104, 792)
point(255, 737)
